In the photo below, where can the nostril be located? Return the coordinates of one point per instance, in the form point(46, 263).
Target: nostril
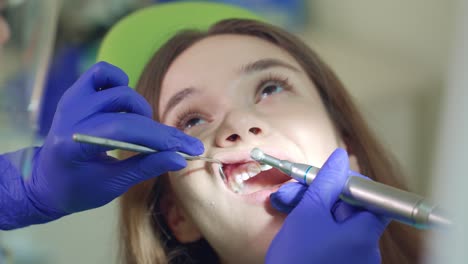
point(232, 137)
point(255, 130)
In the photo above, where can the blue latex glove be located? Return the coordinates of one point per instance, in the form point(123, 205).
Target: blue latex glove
point(69, 177)
point(320, 228)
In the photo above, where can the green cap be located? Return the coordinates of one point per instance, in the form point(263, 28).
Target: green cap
point(131, 42)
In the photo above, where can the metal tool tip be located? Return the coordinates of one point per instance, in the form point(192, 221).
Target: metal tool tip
point(257, 154)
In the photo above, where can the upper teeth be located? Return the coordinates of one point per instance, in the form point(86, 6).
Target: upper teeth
point(252, 170)
point(245, 172)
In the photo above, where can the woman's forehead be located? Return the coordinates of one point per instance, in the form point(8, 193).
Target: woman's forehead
point(229, 50)
point(218, 58)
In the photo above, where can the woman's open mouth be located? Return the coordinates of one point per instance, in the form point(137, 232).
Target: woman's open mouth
point(247, 178)
point(250, 177)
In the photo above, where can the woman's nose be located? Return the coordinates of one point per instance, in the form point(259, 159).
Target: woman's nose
point(240, 126)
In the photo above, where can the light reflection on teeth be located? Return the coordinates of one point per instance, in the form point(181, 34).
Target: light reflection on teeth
point(264, 167)
point(244, 173)
point(239, 180)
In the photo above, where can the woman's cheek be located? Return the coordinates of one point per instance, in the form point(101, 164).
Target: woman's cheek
point(309, 128)
point(193, 184)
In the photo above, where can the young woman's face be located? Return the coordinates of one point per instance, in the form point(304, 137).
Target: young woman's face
point(235, 93)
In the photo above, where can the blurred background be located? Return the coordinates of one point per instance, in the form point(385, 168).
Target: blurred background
point(399, 60)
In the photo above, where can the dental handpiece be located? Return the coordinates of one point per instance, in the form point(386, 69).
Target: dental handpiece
point(403, 206)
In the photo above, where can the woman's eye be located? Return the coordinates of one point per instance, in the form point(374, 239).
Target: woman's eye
point(269, 89)
point(189, 120)
point(193, 122)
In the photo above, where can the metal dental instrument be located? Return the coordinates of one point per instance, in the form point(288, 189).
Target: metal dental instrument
point(376, 197)
point(116, 144)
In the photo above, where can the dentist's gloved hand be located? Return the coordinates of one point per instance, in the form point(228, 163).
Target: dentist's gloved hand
point(68, 176)
point(320, 228)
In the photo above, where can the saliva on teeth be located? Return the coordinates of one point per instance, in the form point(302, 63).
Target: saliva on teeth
point(251, 170)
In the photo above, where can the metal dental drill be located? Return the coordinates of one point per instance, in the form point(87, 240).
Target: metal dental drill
point(376, 197)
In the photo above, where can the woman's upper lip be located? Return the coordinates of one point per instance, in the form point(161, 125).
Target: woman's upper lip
point(232, 157)
point(243, 155)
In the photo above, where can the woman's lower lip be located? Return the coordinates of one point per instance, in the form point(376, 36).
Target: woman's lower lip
point(260, 197)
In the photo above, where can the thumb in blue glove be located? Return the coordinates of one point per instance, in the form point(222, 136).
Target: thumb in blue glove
point(69, 177)
point(322, 229)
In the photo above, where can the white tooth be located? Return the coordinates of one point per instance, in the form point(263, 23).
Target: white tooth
point(265, 167)
point(252, 173)
point(245, 176)
point(253, 170)
point(239, 180)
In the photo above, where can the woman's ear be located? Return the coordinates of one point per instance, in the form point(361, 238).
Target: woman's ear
point(353, 161)
point(181, 226)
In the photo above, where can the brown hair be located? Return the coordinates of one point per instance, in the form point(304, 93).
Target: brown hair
point(143, 239)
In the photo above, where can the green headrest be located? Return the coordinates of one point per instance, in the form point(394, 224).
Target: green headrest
point(131, 42)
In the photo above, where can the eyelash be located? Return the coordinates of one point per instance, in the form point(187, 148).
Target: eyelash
point(190, 113)
point(283, 81)
point(185, 116)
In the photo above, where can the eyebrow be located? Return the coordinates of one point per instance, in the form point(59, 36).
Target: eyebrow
point(264, 64)
point(256, 66)
point(177, 98)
